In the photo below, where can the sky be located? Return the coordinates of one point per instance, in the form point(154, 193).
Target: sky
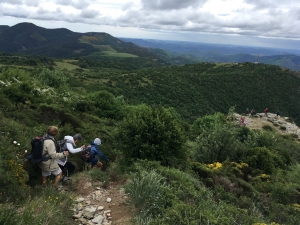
point(261, 23)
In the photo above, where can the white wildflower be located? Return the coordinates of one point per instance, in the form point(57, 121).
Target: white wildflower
point(25, 151)
point(15, 142)
point(18, 143)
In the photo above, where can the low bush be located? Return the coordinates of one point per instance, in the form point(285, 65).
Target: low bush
point(145, 191)
point(267, 127)
point(43, 207)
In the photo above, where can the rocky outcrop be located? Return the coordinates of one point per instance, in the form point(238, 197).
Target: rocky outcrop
point(284, 125)
point(96, 207)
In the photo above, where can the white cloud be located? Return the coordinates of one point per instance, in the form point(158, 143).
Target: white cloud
point(42, 11)
point(89, 13)
point(13, 2)
point(261, 18)
point(31, 2)
point(171, 4)
point(78, 4)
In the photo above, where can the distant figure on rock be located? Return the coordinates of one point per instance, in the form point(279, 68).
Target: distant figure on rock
point(243, 121)
point(252, 112)
point(277, 113)
point(247, 111)
point(266, 112)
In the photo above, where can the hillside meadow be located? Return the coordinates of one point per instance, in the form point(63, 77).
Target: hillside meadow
point(170, 135)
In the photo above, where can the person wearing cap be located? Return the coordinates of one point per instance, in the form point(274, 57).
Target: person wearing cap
point(95, 150)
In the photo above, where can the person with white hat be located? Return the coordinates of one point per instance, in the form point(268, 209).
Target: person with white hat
point(95, 150)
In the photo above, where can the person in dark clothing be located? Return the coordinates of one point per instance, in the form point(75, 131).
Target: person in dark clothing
point(277, 113)
point(266, 112)
point(95, 151)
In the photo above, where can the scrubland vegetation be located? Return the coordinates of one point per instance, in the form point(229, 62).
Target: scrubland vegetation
point(169, 132)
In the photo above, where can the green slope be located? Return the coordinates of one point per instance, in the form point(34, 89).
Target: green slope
point(199, 89)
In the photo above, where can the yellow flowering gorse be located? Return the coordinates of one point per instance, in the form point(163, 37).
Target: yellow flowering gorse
point(214, 166)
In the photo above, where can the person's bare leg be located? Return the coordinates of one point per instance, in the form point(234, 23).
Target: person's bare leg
point(99, 165)
point(57, 178)
point(44, 180)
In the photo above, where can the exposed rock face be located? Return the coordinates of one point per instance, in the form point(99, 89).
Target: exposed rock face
point(284, 125)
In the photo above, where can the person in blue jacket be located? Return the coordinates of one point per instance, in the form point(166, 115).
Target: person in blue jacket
point(95, 150)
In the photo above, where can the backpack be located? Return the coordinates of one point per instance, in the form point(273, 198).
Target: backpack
point(61, 146)
point(36, 154)
point(86, 154)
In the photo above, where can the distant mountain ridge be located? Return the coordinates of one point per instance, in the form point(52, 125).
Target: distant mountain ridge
point(225, 53)
point(28, 38)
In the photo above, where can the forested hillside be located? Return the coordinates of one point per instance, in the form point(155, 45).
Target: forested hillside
point(199, 89)
point(170, 133)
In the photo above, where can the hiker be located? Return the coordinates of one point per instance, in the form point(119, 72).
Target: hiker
point(69, 144)
point(95, 150)
point(277, 113)
point(49, 149)
point(247, 111)
point(252, 112)
point(243, 121)
point(266, 112)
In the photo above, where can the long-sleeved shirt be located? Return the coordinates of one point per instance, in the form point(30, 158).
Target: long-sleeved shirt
point(95, 150)
point(70, 144)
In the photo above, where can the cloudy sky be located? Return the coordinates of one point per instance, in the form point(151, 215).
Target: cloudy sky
point(268, 23)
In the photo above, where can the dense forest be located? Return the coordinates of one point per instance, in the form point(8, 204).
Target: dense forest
point(170, 134)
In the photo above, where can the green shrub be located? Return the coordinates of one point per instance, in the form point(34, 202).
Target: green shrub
point(146, 190)
point(7, 215)
point(217, 145)
point(235, 169)
point(13, 174)
point(107, 105)
point(39, 209)
point(207, 122)
point(284, 193)
point(267, 127)
point(282, 128)
point(202, 170)
point(52, 78)
point(152, 133)
point(260, 158)
point(243, 133)
point(283, 214)
point(261, 139)
point(60, 114)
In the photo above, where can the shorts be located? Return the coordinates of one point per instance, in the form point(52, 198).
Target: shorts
point(48, 173)
point(93, 161)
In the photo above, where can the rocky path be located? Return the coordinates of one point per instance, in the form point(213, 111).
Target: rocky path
point(95, 205)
